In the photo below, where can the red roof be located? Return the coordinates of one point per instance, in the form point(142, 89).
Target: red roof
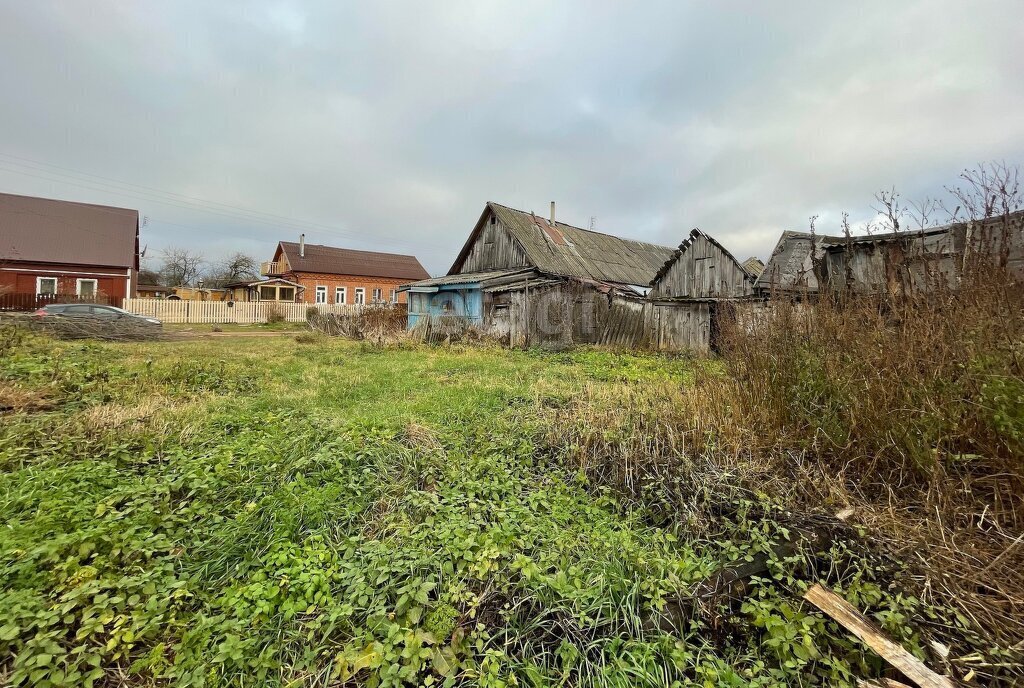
point(346, 261)
point(47, 230)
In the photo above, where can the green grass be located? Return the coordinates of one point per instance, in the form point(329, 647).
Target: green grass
point(267, 512)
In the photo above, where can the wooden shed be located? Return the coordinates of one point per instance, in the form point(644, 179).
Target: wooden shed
point(536, 281)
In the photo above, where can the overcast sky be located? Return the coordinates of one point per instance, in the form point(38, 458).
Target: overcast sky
point(388, 125)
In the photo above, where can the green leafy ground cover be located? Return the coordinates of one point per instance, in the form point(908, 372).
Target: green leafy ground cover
point(267, 512)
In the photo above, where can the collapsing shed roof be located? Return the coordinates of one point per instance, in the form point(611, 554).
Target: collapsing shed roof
point(685, 245)
point(568, 251)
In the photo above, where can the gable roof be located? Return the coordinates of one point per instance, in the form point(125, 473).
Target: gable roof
point(685, 245)
point(47, 230)
point(568, 251)
point(346, 261)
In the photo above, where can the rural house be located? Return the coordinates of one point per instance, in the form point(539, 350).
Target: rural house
point(536, 281)
point(893, 262)
point(57, 250)
point(326, 274)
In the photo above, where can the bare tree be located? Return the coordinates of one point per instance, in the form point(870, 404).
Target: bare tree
point(990, 190)
point(237, 267)
point(891, 208)
point(179, 266)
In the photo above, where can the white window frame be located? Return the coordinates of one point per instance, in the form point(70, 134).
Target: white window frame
point(341, 295)
point(377, 295)
point(95, 286)
point(394, 296)
point(39, 285)
point(360, 296)
point(320, 295)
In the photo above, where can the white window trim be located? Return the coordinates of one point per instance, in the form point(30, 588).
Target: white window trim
point(95, 286)
point(360, 296)
point(377, 295)
point(39, 285)
point(343, 292)
point(394, 296)
point(320, 289)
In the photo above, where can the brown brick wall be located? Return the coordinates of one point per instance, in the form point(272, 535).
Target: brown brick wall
point(311, 280)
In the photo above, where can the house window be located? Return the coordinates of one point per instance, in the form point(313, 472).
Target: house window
point(321, 295)
point(378, 295)
point(360, 296)
point(268, 293)
point(394, 296)
point(86, 288)
point(340, 295)
point(46, 285)
point(286, 293)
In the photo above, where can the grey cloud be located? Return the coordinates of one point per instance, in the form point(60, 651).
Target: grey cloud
point(389, 124)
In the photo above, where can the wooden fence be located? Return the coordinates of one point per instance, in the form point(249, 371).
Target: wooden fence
point(221, 312)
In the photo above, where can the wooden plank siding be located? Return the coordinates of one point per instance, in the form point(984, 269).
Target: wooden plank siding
point(494, 249)
point(702, 269)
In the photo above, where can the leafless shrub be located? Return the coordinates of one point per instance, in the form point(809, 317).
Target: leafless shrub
point(275, 314)
point(377, 323)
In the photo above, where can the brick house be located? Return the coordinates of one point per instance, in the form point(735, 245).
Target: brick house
point(327, 274)
point(52, 250)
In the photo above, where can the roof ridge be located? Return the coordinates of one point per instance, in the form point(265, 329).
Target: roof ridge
point(580, 229)
point(356, 250)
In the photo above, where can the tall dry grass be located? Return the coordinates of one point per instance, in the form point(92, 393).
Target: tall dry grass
point(907, 408)
point(911, 408)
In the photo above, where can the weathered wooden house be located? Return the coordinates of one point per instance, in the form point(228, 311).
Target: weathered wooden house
point(894, 262)
point(535, 281)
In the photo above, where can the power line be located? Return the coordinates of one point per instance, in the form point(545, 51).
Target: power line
point(34, 164)
point(199, 205)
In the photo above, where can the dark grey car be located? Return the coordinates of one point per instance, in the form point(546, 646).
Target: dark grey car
point(97, 313)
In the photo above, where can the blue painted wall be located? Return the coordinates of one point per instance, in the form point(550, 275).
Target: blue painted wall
point(462, 300)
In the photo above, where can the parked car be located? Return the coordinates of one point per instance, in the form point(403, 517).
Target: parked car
point(93, 312)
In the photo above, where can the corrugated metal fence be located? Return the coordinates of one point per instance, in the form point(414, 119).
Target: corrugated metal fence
point(197, 312)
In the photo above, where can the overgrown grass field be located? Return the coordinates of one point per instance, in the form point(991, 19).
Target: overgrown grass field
point(322, 512)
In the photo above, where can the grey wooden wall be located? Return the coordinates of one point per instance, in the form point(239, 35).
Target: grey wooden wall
point(494, 249)
point(703, 270)
point(562, 315)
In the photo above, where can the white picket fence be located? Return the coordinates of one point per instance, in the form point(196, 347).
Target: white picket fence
point(219, 312)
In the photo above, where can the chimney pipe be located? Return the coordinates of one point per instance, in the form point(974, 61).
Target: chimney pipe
point(302, 246)
point(552, 213)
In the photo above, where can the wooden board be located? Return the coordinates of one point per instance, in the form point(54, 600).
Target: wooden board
point(874, 637)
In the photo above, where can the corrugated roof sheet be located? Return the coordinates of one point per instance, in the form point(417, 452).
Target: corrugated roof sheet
point(346, 261)
point(47, 230)
point(570, 251)
point(468, 277)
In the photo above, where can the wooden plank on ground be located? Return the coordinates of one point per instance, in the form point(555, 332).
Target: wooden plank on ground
point(874, 637)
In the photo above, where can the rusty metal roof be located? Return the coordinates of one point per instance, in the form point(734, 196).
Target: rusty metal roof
point(47, 230)
point(346, 261)
point(568, 251)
